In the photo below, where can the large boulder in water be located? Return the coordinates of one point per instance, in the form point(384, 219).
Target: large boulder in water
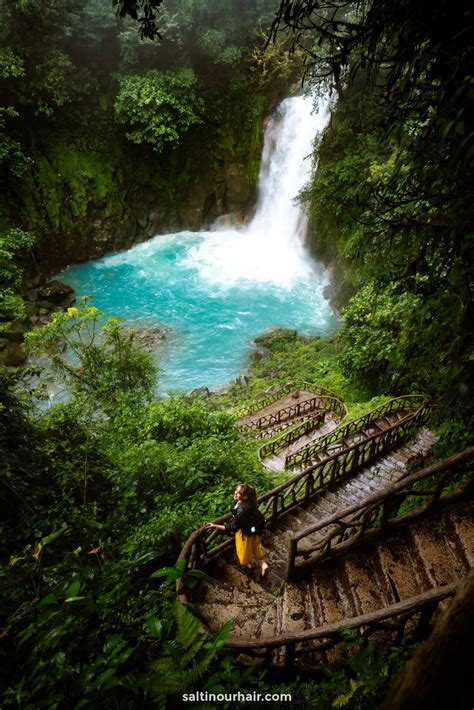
point(149, 338)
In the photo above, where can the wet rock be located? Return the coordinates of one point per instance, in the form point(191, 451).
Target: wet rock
point(222, 390)
point(232, 220)
point(142, 221)
point(34, 281)
point(13, 355)
point(273, 389)
point(198, 393)
point(14, 331)
point(242, 380)
point(149, 338)
point(57, 293)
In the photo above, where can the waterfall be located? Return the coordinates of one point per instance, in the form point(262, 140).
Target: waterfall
point(285, 168)
point(215, 290)
point(271, 248)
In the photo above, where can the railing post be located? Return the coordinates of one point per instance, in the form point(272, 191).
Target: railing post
point(290, 566)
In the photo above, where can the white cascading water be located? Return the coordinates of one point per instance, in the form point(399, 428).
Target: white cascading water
point(216, 290)
point(271, 248)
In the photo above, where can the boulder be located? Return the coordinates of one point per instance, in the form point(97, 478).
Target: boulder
point(14, 331)
point(242, 380)
point(57, 293)
point(13, 355)
point(198, 393)
point(149, 338)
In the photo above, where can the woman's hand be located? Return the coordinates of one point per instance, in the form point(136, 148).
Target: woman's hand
point(215, 526)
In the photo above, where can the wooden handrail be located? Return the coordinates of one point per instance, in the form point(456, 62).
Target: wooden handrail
point(291, 434)
point(306, 452)
point(328, 404)
point(307, 484)
point(285, 413)
point(270, 397)
point(414, 604)
point(353, 521)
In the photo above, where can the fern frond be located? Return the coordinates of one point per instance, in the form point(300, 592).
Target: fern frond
point(188, 632)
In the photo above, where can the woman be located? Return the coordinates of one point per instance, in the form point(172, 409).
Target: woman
point(247, 525)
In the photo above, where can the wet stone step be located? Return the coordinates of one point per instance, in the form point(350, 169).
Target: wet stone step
point(367, 592)
point(400, 576)
point(440, 564)
point(295, 616)
point(330, 585)
point(462, 523)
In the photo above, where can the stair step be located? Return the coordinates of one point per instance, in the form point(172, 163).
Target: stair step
point(462, 523)
point(322, 508)
point(247, 582)
point(329, 590)
point(297, 613)
point(344, 497)
point(400, 577)
point(361, 487)
point(441, 565)
point(367, 592)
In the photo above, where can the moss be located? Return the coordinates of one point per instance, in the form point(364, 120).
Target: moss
point(50, 190)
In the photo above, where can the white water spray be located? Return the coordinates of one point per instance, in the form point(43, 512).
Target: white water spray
point(271, 249)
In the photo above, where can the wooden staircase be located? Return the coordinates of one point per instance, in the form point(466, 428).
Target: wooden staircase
point(308, 429)
point(368, 480)
point(397, 567)
point(341, 553)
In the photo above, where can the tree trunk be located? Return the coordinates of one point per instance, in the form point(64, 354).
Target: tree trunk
point(440, 673)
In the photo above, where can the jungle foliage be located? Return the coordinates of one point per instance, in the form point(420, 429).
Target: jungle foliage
point(98, 493)
point(87, 104)
point(392, 197)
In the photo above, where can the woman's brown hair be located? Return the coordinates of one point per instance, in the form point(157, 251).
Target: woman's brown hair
point(248, 493)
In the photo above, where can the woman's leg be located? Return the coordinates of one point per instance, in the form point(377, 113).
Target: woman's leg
point(257, 550)
point(244, 548)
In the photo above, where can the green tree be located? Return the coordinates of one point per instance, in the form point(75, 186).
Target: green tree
point(14, 243)
point(102, 367)
point(159, 107)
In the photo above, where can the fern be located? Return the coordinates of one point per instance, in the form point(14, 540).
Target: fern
point(188, 631)
point(187, 657)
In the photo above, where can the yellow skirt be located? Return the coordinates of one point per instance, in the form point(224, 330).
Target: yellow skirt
point(247, 546)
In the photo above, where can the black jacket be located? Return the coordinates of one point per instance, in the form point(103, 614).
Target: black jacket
point(246, 517)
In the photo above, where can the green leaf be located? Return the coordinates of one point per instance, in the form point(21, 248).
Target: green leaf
point(154, 626)
point(47, 600)
point(73, 589)
point(73, 599)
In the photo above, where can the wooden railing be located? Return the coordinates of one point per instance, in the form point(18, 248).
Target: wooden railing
point(284, 426)
point(304, 455)
point(328, 404)
point(303, 428)
point(267, 398)
point(313, 642)
point(378, 512)
point(203, 545)
point(410, 617)
point(285, 413)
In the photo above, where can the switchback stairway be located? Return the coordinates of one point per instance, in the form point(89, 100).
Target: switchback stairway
point(339, 555)
point(309, 420)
